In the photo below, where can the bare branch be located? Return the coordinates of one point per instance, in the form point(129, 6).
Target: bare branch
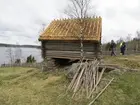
point(78, 8)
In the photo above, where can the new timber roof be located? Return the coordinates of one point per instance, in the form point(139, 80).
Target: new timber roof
point(69, 29)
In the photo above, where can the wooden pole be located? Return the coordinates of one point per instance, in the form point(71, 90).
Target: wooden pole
point(101, 92)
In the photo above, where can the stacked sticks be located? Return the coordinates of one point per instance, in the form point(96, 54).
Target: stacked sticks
point(87, 78)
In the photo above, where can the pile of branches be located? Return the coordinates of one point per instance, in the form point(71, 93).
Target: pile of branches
point(87, 79)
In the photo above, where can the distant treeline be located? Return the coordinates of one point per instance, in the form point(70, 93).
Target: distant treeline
point(23, 46)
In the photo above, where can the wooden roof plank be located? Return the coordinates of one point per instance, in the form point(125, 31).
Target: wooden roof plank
point(68, 29)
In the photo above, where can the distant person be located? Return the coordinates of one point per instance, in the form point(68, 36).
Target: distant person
point(112, 48)
point(120, 48)
point(123, 48)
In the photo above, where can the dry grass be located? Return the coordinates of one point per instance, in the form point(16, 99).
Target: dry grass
point(131, 61)
point(29, 86)
point(125, 90)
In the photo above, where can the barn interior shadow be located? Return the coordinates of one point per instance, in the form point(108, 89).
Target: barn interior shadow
point(64, 62)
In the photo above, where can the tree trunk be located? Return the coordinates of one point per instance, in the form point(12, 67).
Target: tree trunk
point(81, 43)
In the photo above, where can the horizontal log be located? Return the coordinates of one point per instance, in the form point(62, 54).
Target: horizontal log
point(64, 46)
point(63, 49)
point(67, 52)
point(70, 54)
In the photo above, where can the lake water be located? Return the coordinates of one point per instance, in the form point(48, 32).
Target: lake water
point(25, 52)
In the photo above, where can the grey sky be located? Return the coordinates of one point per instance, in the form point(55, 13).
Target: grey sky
point(21, 20)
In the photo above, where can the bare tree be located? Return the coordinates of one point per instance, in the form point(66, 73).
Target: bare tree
point(138, 34)
point(79, 9)
point(128, 38)
point(138, 40)
point(120, 40)
point(10, 55)
point(18, 53)
point(42, 28)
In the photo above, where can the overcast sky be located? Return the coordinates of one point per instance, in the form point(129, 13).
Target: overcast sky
point(21, 20)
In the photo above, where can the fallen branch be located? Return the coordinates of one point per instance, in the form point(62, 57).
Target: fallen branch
point(101, 92)
point(110, 67)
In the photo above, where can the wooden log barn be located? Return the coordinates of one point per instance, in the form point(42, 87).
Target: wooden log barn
point(61, 39)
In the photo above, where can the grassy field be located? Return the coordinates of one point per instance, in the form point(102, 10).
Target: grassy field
point(131, 61)
point(29, 86)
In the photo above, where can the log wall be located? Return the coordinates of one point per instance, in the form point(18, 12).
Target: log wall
point(70, 50)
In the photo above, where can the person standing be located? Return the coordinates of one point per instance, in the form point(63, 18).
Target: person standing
point(120, 47)
point(123, 48)
point(112, 48)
